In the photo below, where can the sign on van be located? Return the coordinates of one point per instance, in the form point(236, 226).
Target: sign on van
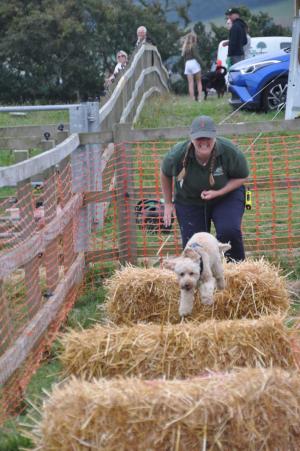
point(259, 46)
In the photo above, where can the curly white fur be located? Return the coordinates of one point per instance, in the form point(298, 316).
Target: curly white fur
point(204, 251)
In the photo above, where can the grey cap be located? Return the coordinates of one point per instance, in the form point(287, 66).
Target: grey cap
point(203, 127)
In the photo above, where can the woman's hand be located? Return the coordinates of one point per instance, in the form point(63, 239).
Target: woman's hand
point(209, 194)
point(231, 185)
point(168, 211)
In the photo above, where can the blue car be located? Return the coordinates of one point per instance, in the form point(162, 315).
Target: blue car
point(260, 83)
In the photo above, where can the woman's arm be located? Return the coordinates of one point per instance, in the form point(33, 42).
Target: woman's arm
point(231, 185)
point(166, 187)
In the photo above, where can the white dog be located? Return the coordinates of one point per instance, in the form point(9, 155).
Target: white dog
point(199, 264)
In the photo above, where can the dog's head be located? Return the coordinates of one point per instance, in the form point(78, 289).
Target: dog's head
point(187, 267)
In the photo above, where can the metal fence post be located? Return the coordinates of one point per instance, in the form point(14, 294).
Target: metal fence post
point(95, 153)
point(80, 174)
point(86, 169)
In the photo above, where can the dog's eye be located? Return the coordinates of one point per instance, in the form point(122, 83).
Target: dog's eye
point(191, 273)
point(181, 274)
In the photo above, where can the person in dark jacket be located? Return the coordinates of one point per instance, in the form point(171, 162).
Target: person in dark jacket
point(192, 68)
point(237, 36)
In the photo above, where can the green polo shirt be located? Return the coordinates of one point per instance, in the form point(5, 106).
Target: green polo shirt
point(230, 164)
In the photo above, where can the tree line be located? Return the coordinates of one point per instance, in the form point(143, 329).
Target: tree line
point(60, 50)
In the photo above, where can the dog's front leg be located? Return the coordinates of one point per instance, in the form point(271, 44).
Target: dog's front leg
point(207, 291)
point(186, 302)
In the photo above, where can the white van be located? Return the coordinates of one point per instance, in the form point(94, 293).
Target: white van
point(259, 46)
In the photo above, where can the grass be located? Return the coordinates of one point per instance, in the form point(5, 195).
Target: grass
point(175, 111)
point(34, 118)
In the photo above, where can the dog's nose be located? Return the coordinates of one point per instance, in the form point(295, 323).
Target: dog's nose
point(186, 286)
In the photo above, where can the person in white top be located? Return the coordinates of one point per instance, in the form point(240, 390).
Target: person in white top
point(122, 59)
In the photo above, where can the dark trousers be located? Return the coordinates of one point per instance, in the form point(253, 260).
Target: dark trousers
point(226, 215)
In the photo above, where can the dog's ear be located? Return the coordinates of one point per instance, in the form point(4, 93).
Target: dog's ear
point(169, 263)
point(223, 247)
point(190, 253)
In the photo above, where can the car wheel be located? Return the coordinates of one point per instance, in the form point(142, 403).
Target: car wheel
point(274, 96)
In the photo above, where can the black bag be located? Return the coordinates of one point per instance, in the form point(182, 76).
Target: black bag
point(150, 216)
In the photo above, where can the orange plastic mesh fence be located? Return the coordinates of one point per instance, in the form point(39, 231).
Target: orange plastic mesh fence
point(131, 191)
point(39, 269)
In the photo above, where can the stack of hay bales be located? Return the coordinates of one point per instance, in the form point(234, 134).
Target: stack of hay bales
point(226, 380)
point(253, 288)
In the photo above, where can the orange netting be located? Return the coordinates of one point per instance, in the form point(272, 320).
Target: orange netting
point(37, 242)
point(131, 179)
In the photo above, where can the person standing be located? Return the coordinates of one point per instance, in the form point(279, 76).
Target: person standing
point(209, 174)
point(237, 36)
point(143, 36)
point(122, 60)
point(192, 62)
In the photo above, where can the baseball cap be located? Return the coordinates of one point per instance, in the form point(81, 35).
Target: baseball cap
point(232, 11)
point(203, 127)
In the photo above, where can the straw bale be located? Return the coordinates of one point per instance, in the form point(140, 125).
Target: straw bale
point(247, 409)
point(176, 351)
point(253, 288)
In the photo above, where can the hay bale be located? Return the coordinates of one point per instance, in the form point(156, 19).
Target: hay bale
point(176, 351)
point(253, 288)
point(248, 409)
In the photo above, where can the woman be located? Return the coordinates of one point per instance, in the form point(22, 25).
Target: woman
point(192, 64)
point(122, 59)
point(209, 173)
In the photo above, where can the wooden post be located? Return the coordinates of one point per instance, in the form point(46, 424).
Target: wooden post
point(125, 195)
point(65, 195)
point(26, 224)
point(51, 253)
point(6, 325)
point(32, 286)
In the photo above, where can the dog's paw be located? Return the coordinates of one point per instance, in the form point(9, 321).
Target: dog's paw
point(185, 311)
point(221, 284)
point(207, 301)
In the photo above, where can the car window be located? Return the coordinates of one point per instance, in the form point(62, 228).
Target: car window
point(284, 45)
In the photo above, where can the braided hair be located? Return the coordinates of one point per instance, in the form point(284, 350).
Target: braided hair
point(186, 158)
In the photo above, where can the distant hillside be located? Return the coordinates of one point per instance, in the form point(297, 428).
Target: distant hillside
point(208, 10)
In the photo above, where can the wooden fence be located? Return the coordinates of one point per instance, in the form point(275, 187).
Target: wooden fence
point(44, 222)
